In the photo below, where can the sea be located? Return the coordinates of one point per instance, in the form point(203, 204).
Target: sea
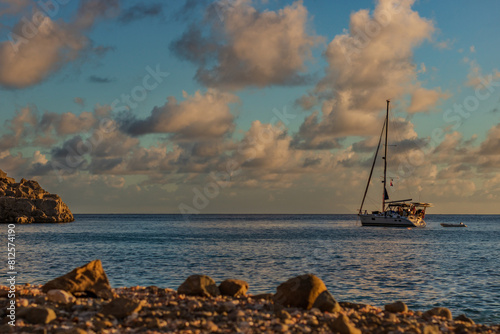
point(458, 268)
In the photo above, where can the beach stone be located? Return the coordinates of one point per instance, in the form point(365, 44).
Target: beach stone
point(390, 317)
point(300, 291)
point(343, 325)
point(440, 312)
point(281, 328)
point(325, 302)
point(60, 296)
point(89, 279)
point(6, 328)
point(396, 307)
point(102, 324)
point(37, 315)
point(152, 323)
point(199, 285)
point(121, 307)
point(233, 288)
point(227, 306)
point(264, 296)
point(211, 327)
point(464, 318)
point(430, 329)
point(75, 330)
point(282, 314)
point(236, 315)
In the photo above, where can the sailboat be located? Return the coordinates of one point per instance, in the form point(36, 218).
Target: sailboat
point(398, 213)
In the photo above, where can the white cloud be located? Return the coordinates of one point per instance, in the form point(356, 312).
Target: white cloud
point(368, 64)
point(12, 7)
point(425, 99)
point(39, 46)
point(251, 48)
point(198, 116)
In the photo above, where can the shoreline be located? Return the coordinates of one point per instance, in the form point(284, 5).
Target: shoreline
point(157, 310)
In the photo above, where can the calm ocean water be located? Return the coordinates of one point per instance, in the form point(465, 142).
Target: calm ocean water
point(436, 266)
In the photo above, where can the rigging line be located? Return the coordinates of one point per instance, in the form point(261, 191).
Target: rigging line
point(373, 165)
point(385, 156)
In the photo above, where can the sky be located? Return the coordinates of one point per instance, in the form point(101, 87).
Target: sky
point(251, 106)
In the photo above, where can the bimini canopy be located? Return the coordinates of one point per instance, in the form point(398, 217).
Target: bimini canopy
point(423, 205)
point(404, 205)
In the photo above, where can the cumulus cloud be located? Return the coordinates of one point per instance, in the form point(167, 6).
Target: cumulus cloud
point(18, 128)
point(367, 65)
point(30, 128)
point(402, 138)
point(489, 150)
point(425, 99)
point(67, 123)
point(29, 61)
point(266, 146)
point(40, 46)
point(12, 7)
point(13, 165)
point(112, 144)
point(198, 116)
point(250, 48)
point(476, 78)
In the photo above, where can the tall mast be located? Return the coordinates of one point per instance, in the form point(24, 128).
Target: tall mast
point(385, 155)
point(371, 170)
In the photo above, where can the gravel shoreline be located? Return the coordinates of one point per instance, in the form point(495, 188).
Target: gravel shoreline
point(83, 301)
point(156, 310)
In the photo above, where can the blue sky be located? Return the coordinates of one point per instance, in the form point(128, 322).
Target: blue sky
point(233, 66)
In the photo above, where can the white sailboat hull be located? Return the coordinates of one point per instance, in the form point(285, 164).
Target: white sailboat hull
point(382, 220)
point(394, 213)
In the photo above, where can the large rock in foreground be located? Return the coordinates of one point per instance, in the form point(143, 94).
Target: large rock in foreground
point(301, 291)
point(199, 285)
point(89, 280)
point(325, 302)
point(27, 202)
point(233, 288)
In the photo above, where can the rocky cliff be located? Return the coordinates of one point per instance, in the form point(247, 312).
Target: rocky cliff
point(27, 202)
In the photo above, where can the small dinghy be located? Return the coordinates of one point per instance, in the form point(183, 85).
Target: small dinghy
point(453, 225)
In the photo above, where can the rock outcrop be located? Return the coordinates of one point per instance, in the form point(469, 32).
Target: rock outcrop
point(27, 202)
point(88, 280)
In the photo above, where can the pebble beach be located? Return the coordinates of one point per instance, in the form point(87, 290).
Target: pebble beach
point(165, 311)
point(83, 302)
